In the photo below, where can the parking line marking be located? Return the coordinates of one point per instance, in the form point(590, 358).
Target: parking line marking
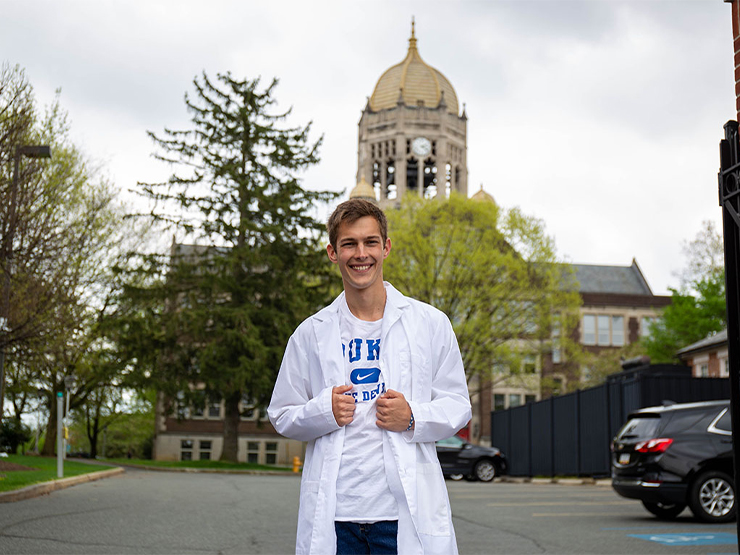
point(570, 514)
point(689, 538)
point(558, 504)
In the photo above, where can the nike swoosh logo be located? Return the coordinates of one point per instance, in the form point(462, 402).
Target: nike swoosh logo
point(364, 375)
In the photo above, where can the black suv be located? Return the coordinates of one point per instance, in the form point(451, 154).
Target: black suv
point(460, 459)
point(677, 455)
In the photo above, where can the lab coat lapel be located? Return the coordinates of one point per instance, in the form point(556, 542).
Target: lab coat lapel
point(394, 308)
point(329, 341)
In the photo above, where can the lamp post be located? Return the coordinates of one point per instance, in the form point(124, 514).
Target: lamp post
point(31, 151)
point(40, 393)
point(69, 383)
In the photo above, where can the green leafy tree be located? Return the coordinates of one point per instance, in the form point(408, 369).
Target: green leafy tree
point(689, 318)
point(213, 319)
point(698, 307)
point(66, 227)
point(493, 272)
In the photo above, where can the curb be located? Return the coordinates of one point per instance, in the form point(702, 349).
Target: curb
point(606, 482)
point(211, 470)
point(35, 490)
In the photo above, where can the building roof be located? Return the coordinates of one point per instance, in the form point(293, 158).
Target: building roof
point(707, 343)
point(413, 82)
point(622, 280)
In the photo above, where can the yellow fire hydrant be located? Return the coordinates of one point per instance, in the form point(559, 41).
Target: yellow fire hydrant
point(296, 464)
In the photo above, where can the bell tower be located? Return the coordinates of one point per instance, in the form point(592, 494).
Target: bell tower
point(412, 137)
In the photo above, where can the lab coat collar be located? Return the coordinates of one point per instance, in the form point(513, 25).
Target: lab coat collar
point(395, 302)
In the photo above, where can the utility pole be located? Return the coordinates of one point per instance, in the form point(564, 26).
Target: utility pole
point(31, 151)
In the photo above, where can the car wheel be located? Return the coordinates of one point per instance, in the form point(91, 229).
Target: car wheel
point(456, 477)
point(484, 470)
point(712, 497)
point(665, 511)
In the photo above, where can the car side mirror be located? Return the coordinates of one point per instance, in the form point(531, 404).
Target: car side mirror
point(467, 446)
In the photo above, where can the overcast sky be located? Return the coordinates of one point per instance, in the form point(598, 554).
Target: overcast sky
point(602, 118)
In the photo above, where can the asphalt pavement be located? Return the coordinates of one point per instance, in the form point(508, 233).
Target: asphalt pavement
point(142, 512)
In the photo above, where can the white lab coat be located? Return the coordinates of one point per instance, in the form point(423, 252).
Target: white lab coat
point(419, 357)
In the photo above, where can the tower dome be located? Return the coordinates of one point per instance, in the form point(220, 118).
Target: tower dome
point(364, 191)
point(413, 82)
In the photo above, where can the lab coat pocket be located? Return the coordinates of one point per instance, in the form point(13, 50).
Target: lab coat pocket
point(306, 515)
point(433, 507)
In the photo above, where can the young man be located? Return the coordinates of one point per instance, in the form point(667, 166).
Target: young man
point(371, 382)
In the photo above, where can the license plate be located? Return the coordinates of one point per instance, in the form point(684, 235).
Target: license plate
point(624, 458)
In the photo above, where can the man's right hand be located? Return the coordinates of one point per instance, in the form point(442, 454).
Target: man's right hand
point(343, 406)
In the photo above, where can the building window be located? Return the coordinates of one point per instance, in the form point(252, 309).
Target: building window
point(647, 324)
point(556, 354)
point(253, 452)
point(704, 371)
point(198, 410)
point(271, 448)
point(557, 385)
point(214, 408)
point(499, 401)
point(247, 412)
point(618, 331)
point(530, 364)
point(589, 329)
point(183, 410)
point(515, 400)
point(725, 367)
point(603, 330)
point(205, 451)
point(186, 449)
point(530, 399)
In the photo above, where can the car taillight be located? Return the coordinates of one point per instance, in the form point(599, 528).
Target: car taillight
point(658, 445)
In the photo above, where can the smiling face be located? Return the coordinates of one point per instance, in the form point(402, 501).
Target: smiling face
point(360, 251)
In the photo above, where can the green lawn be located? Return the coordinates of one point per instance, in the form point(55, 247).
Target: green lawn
point(44, 470)
point(218, 465)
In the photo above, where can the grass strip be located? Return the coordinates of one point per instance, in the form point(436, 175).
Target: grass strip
point(43, 469)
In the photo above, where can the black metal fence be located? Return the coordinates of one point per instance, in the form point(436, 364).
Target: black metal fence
point(570, 434)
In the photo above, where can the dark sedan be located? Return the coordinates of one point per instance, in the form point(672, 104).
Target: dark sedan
point(460, 459)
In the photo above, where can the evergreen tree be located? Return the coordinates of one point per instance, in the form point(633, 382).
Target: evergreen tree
point(211, 319)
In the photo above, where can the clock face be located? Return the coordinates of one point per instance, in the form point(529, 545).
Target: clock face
point(421, 146)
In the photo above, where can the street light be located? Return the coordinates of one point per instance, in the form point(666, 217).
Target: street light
point(30, 151)
point(40, 392)
point(69, 383)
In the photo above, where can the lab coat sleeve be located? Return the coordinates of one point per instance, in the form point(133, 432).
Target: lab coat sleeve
point(294, 411)
point(449, 409)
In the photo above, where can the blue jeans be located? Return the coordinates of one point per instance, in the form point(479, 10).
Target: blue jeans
point(378, 538)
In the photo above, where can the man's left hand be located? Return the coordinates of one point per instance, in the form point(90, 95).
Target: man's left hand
point(393, 412)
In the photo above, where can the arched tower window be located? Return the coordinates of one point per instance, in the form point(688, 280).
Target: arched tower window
point(430, 178)
point(412, 174)
point(391, 191)
point(376, 184)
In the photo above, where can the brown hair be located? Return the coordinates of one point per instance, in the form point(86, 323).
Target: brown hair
point(352, 210)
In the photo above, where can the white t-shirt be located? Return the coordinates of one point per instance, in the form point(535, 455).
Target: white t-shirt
point(363, 494)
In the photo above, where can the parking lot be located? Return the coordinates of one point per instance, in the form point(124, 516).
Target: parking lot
point(165, 512)
point(555, 518)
